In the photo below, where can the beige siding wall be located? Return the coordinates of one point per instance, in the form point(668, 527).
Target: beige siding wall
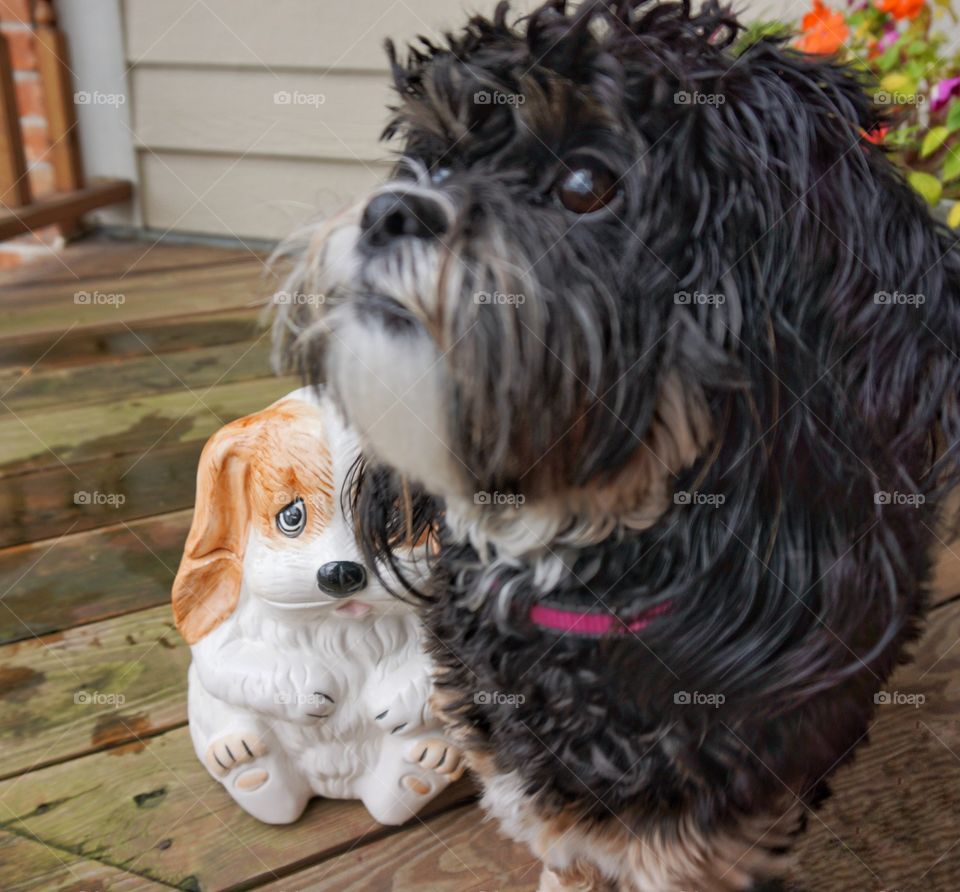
point(218, 150)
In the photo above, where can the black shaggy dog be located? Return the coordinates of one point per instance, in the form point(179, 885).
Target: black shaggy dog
point(662, 354)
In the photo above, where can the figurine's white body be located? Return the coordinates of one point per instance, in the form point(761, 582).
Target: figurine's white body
point(296, 692)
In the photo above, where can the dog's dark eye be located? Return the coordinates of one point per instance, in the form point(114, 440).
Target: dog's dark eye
point(292, 519)
point(586, 187)
point(439, 174)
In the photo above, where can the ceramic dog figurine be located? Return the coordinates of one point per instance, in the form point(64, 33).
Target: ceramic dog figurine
point(308, 678)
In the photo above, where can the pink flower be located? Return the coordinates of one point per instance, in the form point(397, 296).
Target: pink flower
point(890, 36)
point(943, 92)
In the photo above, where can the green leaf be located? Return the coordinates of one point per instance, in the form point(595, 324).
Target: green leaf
point(953, 218)
point(927, 185)
point(889, 58)
point(915, 69)
point(758, 31)
point(935, 138)
point(951, 167)
point(953, 116)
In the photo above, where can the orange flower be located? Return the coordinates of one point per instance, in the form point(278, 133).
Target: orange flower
point(824, 30)
point(901, 9)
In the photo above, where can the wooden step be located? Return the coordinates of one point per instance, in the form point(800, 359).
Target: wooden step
point(73, 469)
point(124, 379)
point(100, 685)
point(56, 307)
point(40, 505)
point(86, 577)
point(114, 340)
point(203, 288)
point(88, 259)
point(156, 811)
point(132, 427)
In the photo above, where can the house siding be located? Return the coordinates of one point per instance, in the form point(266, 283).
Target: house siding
point(219, 149)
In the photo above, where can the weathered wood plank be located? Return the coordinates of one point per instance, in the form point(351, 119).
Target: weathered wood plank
point(155, 810)
point(199, 283)
point(46, 503)
point(26, 391)
point(40, 505)
point(133, 427)
point(452, 852)
point(75, 692)
point(168, 292)
point(92, 258)
point(27, 865)
point(138, 338)
point(85, 577)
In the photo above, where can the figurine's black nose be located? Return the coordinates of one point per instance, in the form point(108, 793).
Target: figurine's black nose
point(392, 215)
point(341, 578)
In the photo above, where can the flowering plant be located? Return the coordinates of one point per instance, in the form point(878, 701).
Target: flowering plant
point(902, 45)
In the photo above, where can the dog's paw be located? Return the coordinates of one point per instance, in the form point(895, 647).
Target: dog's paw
point(436, 754)
point(226, 752)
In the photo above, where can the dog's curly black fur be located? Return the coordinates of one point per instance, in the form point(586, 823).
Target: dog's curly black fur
point(791, 591)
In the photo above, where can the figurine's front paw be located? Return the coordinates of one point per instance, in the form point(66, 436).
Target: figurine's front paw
point(306, 707)
point(436, 754)
point(226, 752)
point(394, 720)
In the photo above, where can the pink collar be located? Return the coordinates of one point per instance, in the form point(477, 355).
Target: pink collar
point(588, 623)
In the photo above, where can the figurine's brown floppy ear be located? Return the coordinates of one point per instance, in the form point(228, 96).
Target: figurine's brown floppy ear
point(207, 586)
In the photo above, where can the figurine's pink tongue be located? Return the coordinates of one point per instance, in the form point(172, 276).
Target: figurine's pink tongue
point(356, 609)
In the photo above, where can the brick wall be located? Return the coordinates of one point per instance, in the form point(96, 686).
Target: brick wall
point(16, 27)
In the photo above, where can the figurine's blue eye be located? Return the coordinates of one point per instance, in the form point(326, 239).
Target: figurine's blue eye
point(292, 519)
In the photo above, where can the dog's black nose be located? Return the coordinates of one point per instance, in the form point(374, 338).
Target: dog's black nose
point(341, 578)
point(392, 215)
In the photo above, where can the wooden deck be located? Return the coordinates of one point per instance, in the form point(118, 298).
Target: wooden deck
point(99, 786)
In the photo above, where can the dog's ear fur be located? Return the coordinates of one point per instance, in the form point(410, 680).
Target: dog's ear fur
point(391, 517)
point(207, 587)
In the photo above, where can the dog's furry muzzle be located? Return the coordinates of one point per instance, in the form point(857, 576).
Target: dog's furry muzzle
point(445, 318)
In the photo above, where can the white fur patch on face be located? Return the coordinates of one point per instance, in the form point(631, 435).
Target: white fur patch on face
point(341, 261)
point(391, 386)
